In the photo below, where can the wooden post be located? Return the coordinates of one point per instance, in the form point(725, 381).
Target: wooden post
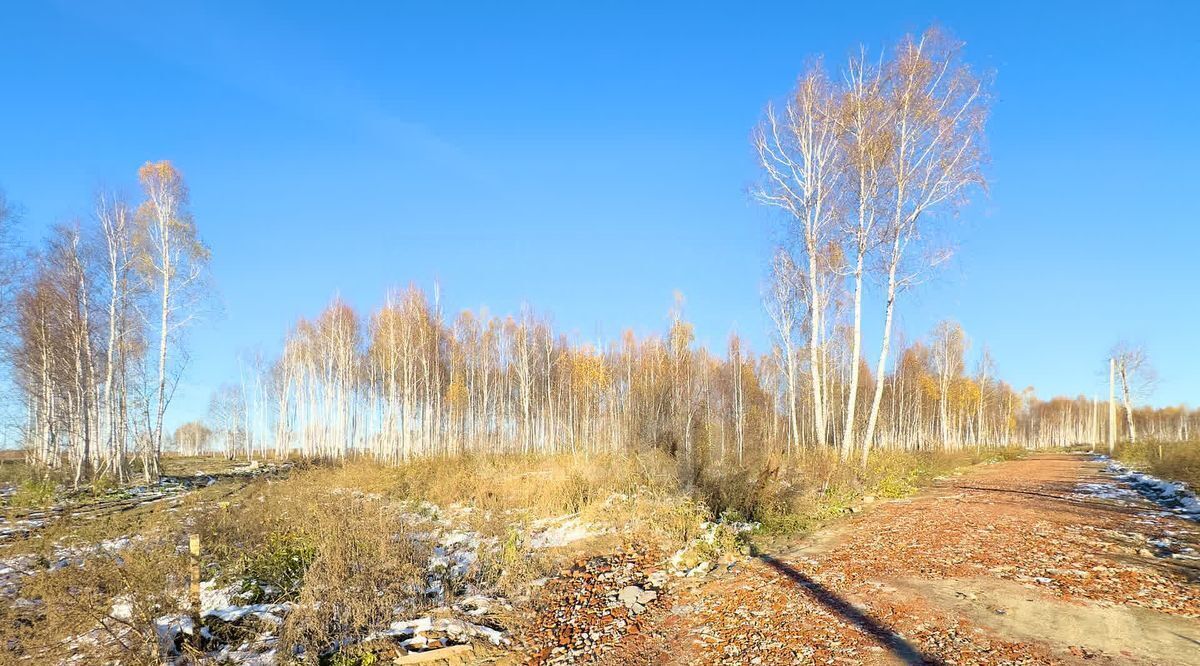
point(194, 549)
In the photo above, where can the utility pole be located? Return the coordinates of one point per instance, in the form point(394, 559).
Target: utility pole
point(1112, 405)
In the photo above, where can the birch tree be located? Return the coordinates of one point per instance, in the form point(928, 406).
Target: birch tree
point(123, 285)
point(937, 110)
point(55, 359)
point(799, 158)
point(226, 416)
point(864, 120)
point(784, 307)
point(949, 346)
point(984, 372)
point(1136, 377)
point(477, 385)
point(192, 438)
point(173, 259)
point(85, 367)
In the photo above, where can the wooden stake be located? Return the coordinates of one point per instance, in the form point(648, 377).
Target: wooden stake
point(194, 549)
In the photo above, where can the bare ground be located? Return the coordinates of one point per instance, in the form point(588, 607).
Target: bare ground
point(1008, 564)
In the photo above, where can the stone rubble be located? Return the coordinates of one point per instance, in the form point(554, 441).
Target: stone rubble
point(586, 612)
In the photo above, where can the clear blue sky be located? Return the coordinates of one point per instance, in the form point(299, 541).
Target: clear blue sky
point(591, 159)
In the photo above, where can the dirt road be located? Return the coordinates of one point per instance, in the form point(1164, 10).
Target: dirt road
point(1013, 563)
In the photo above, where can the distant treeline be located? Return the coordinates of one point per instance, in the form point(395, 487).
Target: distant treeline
point(406, 382)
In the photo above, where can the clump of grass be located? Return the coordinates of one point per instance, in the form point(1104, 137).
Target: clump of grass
point(666, 521)
point(352, 657)
point(274, 570)
point(541, 485)
point(35, 493)
point(512, 565)
point(342, 556)
point(105, 486)
point(359, 574)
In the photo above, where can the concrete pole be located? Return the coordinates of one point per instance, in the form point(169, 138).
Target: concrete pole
point(1112, 405)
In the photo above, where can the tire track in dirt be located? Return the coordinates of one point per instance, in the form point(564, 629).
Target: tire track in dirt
point(1008, 564)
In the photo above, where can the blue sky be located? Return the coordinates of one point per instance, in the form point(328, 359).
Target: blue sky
point(591, 159)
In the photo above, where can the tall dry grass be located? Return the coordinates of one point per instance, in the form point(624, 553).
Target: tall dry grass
point(70, 614)
point(1174, 461)
point(343, 541)
point(798, 494)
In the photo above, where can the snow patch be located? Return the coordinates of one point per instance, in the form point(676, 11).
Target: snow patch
point(560, 531)
point(411, 633)
point(272, 613)
point(1173, 496)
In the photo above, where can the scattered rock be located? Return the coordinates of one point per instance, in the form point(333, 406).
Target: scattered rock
point(590, 608)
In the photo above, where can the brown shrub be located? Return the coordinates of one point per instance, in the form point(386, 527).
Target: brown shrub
point(100, 610)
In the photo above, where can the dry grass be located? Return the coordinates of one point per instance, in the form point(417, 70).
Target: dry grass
point(172, 465)
point(69, 611)
point(802, 493)
point(1175, 461)
point(542, 485)
point(343, 534)
point(347, 542)
point(360, 572)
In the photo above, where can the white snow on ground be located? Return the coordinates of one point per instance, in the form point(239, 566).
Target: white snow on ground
point(453, 566)
point(1107, 491)
point(14, 570)
point(21, 527)
point(260, 652)
point(455, 553)
point(456, 547)
point(272, 613)
point(1173, 496)
point(122, 608)
point(684, 562)
point(168, 627)
point(411, 632)
point(560, 531)
point(478, 604)
point(213, 597)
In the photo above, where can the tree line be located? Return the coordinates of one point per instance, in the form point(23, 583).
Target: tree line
point(96, 315)
point(409, 381)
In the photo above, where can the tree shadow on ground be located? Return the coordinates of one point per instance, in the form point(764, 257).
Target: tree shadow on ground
point(902, 649)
